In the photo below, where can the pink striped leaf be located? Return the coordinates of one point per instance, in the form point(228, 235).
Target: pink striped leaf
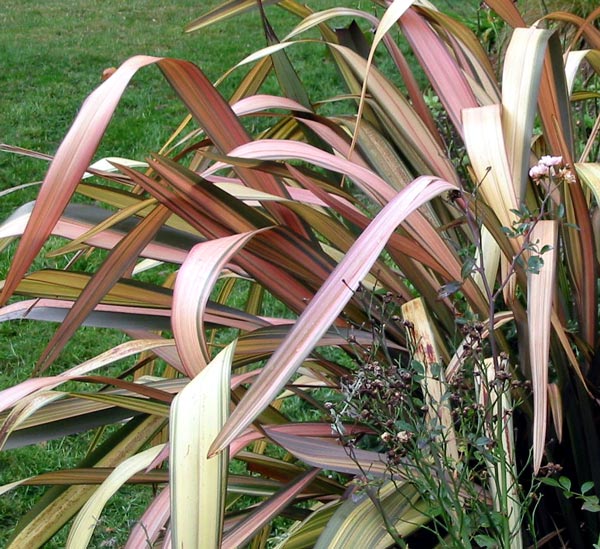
point(330, 454)
point(195, 282)
point(152, 522)
point(326, 305)
point(440, 65)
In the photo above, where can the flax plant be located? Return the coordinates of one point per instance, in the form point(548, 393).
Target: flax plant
point(329, 211)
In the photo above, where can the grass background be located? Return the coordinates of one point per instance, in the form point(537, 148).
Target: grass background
point(52, 56)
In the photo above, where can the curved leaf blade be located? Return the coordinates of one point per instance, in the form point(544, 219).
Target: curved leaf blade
point(193, 287)
point(85, 522)
point(327, 304)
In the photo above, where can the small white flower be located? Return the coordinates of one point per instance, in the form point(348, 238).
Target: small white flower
point(567, 175)
point(550, 160)
point(386, 437)
point(538, 171)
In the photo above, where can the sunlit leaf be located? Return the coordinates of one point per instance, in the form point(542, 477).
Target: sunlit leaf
point(197, 481)
point(85, 522)
point(358, 521)
point(539, 308)
point(326, 305)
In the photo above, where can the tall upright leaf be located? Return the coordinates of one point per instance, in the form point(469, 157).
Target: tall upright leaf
point(197, 481)
point(540, 286)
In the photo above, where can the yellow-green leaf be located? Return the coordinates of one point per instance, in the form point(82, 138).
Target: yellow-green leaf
point(198, 483)
point(540, 293)
point(87, 519)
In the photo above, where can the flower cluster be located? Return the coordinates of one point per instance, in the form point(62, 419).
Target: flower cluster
point(544, 167)
point(378, 395)
point(551, 166)
point(378, 383)
point(550, 469)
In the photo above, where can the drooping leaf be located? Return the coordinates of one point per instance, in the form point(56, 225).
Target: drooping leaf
point(324, 308)
point(194, 285)
point(329, 454)
point(50, 415)
point(122, 258)
point(152, 522)
point(85, 522)
point(12, 395)
point(223, 12)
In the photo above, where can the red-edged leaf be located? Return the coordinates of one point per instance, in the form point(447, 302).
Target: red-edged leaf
point(508, 11)
point(70, 163)
point(220, 123)
point(280, 149)
point(244, 530)
point(440, 66)
point(79, 220)
point(281, 283)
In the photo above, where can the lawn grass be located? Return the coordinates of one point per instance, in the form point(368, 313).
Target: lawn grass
point(51, 57)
